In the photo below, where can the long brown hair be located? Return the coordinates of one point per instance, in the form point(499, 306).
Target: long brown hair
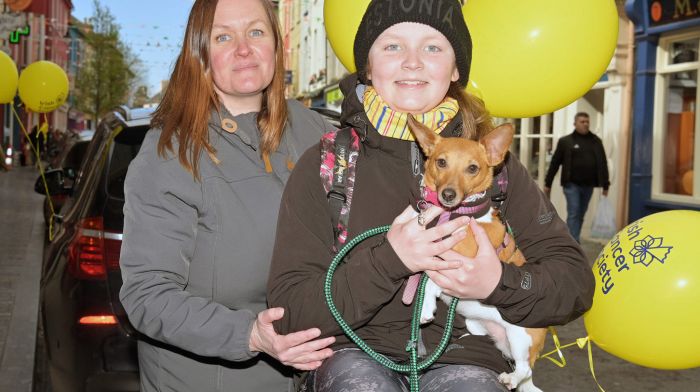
point(476, 119)
point(189, 98)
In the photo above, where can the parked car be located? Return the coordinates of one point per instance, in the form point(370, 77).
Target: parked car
point(331, 115)
point(91, 346)
point(89, 342)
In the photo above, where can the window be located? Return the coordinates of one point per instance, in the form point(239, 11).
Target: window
point(533, 144)
point(675, 122)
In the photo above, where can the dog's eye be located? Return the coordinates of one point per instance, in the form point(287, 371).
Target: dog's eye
point(441, 163)
point(472, 169)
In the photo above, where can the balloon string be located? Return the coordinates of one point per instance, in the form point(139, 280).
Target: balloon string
point(41, 169)
point(581, 343)
point(557, 349)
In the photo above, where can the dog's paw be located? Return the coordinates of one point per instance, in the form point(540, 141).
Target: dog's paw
point(508, 379)
point(424, 319)
point(427, 312)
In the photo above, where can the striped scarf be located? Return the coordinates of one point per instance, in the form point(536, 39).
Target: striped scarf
point(395, 124)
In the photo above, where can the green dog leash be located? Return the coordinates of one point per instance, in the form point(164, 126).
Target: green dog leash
point(412, 347)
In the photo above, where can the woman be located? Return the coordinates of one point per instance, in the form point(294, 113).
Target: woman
point(201, 206)
point(413, 58)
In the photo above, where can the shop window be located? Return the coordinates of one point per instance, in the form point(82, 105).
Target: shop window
point(533, 144)
point(676, 123)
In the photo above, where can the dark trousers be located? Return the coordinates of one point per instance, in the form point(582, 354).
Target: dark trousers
point(351, 370)
point(577, 199)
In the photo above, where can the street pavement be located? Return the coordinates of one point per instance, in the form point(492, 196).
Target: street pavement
point(21, 249)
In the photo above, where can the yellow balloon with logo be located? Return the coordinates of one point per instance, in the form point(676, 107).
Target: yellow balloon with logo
point(43, 86)
point(529, 57)
point(8, 78)
point(646, 307)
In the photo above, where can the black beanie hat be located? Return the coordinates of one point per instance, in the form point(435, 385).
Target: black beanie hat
point(444, 16)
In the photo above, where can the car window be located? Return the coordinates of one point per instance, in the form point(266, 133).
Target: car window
point(75, 156)
point(126, 146)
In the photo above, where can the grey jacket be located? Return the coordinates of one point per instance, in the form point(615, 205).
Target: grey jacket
point(196, 255)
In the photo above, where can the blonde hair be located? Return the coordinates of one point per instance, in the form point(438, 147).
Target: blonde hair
point(188, 100)
point(476, 119)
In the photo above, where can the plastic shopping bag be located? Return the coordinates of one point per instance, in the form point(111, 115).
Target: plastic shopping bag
point(604, 225)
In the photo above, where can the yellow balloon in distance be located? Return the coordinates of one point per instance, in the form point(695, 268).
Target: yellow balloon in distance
point(8, 78)
point(534, 57)
point(43, 86)
point(645, 308)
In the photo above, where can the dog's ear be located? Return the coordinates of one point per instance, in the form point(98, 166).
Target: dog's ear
point(426, 138)
point(497, 143)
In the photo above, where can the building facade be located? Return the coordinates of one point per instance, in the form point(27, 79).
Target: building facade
point(313, 70)
point(665, 125)
point(41, 37)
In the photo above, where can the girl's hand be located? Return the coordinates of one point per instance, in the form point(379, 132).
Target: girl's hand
point(477, 277)
point(296, 349)
point(416, 246)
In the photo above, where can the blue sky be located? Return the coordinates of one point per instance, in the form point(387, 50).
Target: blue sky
point(152, 28)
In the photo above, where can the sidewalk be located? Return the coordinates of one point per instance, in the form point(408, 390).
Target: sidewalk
point(21, 250)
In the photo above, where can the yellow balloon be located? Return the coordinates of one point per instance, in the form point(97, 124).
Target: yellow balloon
point(8, 78)
point(646, 304)
point(534, 57)
point(529, 57)
point(43, 86)
point(342, 18)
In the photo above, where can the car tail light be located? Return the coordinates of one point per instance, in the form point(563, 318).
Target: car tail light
point(102, 319)
point(93, 251)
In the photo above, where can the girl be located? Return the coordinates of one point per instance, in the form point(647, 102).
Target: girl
point(413, 60)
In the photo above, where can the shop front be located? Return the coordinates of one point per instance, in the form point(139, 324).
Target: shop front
point(665, 124)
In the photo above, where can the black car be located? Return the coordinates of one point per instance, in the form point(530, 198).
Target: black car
point(90, 345)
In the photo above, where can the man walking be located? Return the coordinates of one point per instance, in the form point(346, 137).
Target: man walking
point(584, 167)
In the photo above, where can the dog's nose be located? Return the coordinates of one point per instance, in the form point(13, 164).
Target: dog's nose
point(448, 194)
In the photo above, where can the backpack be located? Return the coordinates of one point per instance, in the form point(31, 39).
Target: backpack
point(339, 152)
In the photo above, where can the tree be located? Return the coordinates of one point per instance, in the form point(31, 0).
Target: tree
point(106, 75)
point(140, 96)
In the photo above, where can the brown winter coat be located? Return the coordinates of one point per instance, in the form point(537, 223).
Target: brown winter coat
point(368, 286)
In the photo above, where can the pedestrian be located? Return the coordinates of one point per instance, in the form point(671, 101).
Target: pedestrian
point(584, 166)
point(29, 146)
point(201, 206)
point(414, 58)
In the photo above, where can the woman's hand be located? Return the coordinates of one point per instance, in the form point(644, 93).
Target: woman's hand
point(477, 277)
point(296, 349)
point(417, 247)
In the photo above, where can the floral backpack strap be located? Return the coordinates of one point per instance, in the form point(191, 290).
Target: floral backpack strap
point(339, 152)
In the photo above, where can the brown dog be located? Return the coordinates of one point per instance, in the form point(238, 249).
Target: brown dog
point(460, 169)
